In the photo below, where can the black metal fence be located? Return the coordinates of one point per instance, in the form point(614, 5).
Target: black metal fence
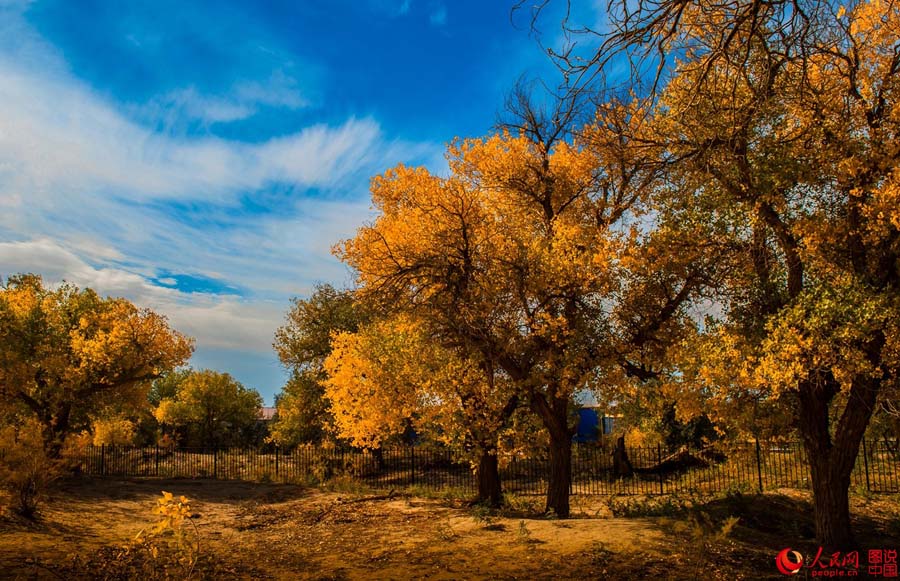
point(748, 466)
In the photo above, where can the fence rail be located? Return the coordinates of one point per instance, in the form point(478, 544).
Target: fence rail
point(746, 466)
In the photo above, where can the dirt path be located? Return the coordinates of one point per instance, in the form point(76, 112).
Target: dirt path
point(290, 532)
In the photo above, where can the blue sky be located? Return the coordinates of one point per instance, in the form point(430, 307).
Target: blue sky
point(202, 158)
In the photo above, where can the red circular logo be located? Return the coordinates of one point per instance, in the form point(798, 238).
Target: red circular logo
point(787, 565)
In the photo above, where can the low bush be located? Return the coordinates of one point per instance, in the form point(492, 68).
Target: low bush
point(169, 549)
point(26, 468)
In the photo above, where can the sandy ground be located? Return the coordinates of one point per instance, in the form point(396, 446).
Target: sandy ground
point(272, 531)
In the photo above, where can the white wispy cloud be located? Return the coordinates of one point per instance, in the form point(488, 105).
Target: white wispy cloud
point(280, 90)
point(244, 99)
point(55, 133)
point(215, 320)
point(92, 193)
point(73, 167)
point(181, 106)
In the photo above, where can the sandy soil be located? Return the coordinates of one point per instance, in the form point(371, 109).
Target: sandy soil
point(288, 532)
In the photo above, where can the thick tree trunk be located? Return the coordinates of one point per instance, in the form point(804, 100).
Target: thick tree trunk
point(554, 413)
point(621, 464)
point(560, 477)
point(490, 491)
point(56, 429)
point(831, 460)
point(832, 507)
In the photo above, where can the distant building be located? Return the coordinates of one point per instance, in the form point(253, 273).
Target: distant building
point(592, 426)
point(266, 414)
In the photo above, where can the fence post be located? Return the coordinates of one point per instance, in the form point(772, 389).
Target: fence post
point(215, 462)
point(412, 464)
point(102, 459)
point(276, 460)
point(759, 466)
point(659, 466)
point(866, 463)
point(157, 460)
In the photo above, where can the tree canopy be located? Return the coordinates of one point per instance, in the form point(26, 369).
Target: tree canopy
point(391, 375)
point(66, 353)
point(302, 344)
point(779, 123)
point(536, 256)
point(211, 409)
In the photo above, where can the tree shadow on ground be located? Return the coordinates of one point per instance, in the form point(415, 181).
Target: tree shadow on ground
point(203, 490)
point(788, 518)
point(11, 522)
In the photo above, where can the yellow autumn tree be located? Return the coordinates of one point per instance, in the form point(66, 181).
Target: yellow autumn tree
point(372, 376)
point(211, 409)
point(391, 375)
point(26, 468)
point(302, 343)
point(116, 431)
point(781, 124)
point(535, 254)
point(66, 353)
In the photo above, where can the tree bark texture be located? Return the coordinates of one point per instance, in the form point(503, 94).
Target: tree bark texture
point(490, 491)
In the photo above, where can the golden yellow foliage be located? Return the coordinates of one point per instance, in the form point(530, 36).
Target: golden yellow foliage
point(802, 153)
point(65, 353)
point(117, 431)
point(537, 255)
point(390, 375)
point(302, 344)
point(26, 469)
point(782, 125)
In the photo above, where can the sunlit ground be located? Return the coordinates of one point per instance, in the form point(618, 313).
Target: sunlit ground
point(264, 531)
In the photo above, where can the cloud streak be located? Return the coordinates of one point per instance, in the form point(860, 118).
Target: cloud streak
point(94, 193)
point(219, 321)
point(56, 134)
point(179, 108)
